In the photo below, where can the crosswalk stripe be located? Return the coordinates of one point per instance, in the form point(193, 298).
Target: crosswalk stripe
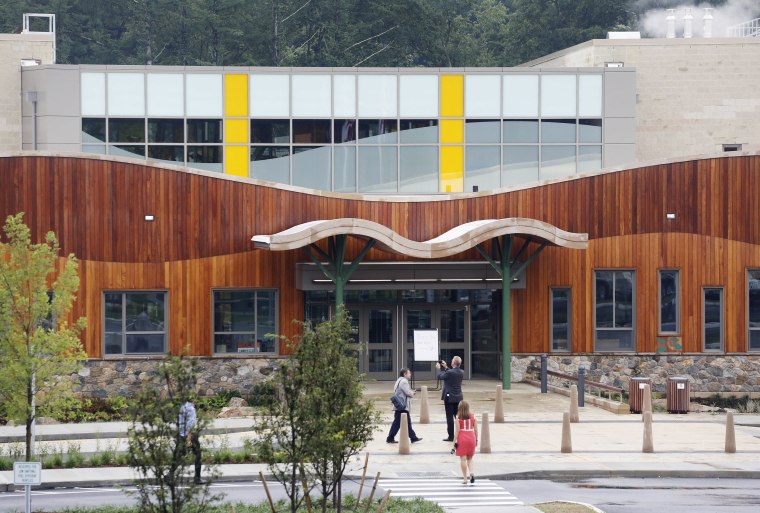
point(451, 492)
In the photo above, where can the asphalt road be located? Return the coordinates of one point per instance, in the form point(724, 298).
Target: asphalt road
point(620, 495)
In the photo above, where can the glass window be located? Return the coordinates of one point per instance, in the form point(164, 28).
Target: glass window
point(589, 158)
point(311, 96)
point(93, 94)
point(560, 319)
point(557, 161)
point(270, 163)
point(614, 310)
point(242, 320)
point(344, 96)
point(204, 130)
point(712, 310)
point(123, 150)
point(166, 131)
point(590, 130)
point(558, 95)
point(590, 95)
point(167, 153)
point(482, 131)
point(205, 157)
point(204, 94)
point(100, 149)
point(377, 96)
point(311, 131)
point(311, 167)
point(93, 130)
point(345, 169)
point(419, 169)
point(377, 169)
point(753, 307)
point(126, 94)
point(670, 301)
point(521, 131)
point(558, 131)
point(269, 95)
point(482, 167)
point(166, 94)
point(377, 131)
point(416, 131)
point(270, 131)
point(126, 130)
point(520, 96)
point(482, 95)
point(520, 165)
point(418, 96)
point(345, 130)
point(135, 322)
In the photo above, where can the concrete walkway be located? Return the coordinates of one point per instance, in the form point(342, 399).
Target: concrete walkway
point(526, 446)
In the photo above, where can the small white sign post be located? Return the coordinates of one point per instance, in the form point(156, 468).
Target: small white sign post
point(27, 473)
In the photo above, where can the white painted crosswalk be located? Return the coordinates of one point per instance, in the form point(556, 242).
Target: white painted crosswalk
point(448, 492)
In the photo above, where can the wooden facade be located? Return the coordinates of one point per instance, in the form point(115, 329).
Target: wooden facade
point(200, 239)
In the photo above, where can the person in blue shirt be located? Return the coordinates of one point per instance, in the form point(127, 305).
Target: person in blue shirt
point(189, 437)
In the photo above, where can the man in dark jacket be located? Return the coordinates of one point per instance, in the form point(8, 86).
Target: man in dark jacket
point(452, 391)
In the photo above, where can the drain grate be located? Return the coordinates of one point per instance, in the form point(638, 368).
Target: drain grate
point(424, 474)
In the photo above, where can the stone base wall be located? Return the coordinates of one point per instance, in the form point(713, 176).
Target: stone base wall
point(706, 373)
point(108, 378)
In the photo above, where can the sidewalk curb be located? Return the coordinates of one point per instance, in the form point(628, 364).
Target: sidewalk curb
point(102, 435)
point(585, 504)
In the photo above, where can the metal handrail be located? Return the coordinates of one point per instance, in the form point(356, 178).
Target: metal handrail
point(585, 382)
point(749, 28)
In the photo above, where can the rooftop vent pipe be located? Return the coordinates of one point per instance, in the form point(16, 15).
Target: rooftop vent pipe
point(687, 23)
point(671, 23)
point(707, 21)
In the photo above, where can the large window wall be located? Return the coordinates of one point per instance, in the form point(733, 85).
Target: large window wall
point(355, 132)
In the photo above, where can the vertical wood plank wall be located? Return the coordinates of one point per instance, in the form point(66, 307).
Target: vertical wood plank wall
point(201, 238)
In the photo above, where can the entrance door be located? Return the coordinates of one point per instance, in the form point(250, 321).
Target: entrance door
point(374, 327)
point(452, 323)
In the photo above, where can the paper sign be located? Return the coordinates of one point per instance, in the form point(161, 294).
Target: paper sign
point(425, 345)
point(27, 473)
point(680, 386)
point(642, 386)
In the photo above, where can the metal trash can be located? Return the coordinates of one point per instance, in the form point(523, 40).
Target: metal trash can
point(636, 393)
point(678, 394)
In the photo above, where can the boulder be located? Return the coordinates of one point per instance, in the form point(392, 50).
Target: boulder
point(244, 411)
point(237, 402)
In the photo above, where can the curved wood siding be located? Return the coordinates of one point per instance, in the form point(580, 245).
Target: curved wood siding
point(201, 238)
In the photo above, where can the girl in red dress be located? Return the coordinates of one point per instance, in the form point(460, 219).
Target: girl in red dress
point(465, 439)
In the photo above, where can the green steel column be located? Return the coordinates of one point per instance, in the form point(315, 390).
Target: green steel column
point(506, 313)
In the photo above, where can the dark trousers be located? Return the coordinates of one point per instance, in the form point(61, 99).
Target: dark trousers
point(195, 446)
point(451, 412)
point(397, 425)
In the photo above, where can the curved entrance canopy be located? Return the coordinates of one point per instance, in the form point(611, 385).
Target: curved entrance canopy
point(460, 238)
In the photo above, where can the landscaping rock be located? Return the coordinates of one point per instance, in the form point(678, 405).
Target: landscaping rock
point(237, 402)
point(227, 413)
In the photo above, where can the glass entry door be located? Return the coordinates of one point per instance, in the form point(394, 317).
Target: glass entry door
point(452, 323)
point(374, 327)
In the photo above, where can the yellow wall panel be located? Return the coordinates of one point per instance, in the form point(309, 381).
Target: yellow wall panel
point(452, 130)
point(452, 168)
point(236, 131)
point(235, 95)
point(452, 95)
point(236, 160)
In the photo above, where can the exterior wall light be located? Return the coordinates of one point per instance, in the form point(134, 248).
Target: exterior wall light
point(670, 216)
point(149, 217)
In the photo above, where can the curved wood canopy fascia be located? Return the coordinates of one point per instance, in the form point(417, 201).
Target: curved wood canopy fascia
point(457, 240)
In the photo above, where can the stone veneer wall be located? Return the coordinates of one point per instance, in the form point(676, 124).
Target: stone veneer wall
point(108, 378)
point(706, 373)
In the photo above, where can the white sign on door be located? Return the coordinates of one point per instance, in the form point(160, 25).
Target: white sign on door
point(425, 345)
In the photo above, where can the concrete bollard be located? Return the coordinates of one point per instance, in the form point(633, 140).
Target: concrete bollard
point(730, 433)
point(424, 407)
point(567, 444)
point(498, 415)
point(404, 444)
point(574, 416)
point(646, 401)
point(648, 445)
point(485, 435)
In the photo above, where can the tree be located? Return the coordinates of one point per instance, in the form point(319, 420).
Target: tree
point(39, 349)
point(322, 420)
point(157, 452)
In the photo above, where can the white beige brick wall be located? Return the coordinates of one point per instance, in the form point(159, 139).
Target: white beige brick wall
point(693, 95)
point(14, 48)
